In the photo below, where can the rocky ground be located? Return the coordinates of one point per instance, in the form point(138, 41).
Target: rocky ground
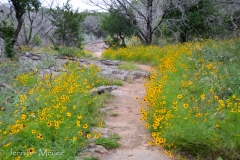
point(54, 65)
point(96, 48)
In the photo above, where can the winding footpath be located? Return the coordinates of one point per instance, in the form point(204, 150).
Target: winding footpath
point(127, 124)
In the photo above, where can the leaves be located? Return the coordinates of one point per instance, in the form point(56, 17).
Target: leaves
point(67, 26)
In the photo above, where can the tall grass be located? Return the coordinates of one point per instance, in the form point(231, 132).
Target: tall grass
point(52, 116)
point(192, 100)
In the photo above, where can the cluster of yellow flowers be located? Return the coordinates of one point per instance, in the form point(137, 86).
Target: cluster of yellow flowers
point(56, 110)
point(191, 91)
point(186, 93)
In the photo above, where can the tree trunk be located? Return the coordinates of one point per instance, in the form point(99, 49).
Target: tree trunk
point(25, 34)
point(149, 34)
point(1, 35)
point(235, 30)
point(123, 40)
point(183, 37)
point(18, 29)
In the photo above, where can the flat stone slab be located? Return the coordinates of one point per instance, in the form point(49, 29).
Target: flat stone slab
point(109, 69)
point(103, 89)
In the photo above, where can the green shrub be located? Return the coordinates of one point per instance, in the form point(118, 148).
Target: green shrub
point(72, 52)
point(7, 28)
point(109, 143)
point(128, 66)
point(37, 40)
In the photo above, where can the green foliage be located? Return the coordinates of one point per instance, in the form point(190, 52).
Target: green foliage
point(117, 26)
point(192, 99)
point(115, 82)
point(72, 52)
point(37, 40)
point(195, 24)
point(112, 42)
point(10, 34)
point(114, 136)
point(53, 115)
point(91, 158)
point(118, 83)
point(114, 114)
point(7, 28)
point(22, 6)
point(128, 66)
point(109, 143)
point(67, 24)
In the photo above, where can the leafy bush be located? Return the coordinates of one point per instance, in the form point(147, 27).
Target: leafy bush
point(37, 40)
point(7, 28)
point(72, 52)
point(109, 143)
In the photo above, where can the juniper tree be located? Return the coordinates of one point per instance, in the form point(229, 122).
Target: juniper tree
point(116, 24)
point(67, 26)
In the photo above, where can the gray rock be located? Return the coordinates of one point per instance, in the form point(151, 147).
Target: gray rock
point(103, 131)
point(104, 89)
point(110, 63)
point(36, 58)
point(139, 74)
point(108, 68)
point(28, 54)
point(92, 149)
point(100, 149)
point(91, 145)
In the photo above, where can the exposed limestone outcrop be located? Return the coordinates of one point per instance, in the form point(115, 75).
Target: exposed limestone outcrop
point(54, 65)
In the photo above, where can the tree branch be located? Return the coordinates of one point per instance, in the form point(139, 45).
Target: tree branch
point(1, 35)
point(7, 86)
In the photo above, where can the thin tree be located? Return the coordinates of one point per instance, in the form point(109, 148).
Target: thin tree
point(116, 24)
point(20, 8)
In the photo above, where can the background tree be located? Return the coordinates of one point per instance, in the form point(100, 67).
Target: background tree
point(195, 24)
point(7, 28)
point(20, 8)
point(36, 26)
point(117, 25)
point(188, 18)
point(67, 26)
point(91, 25)
point(228, 19)
point(146, 15)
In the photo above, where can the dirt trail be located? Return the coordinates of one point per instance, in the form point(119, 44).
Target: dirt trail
point(96, 48)
point(134, 135)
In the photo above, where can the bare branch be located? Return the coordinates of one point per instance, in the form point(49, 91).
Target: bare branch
point(1, 35)
point(7, 86)
point(226, 2)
